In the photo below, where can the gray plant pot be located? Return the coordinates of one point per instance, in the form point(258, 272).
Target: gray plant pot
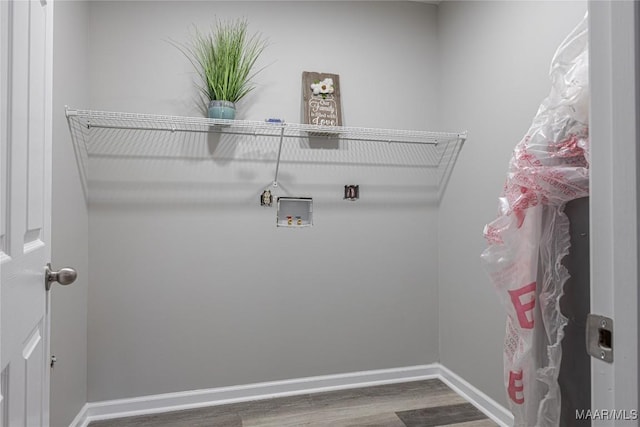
point(222, 110)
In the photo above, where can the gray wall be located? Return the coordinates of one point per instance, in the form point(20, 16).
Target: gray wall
point(208, 292)
point(70, 218)
point(495, 58)
point(192, 285)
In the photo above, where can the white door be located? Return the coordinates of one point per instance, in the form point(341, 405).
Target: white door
point(25, 182)
point(614, 126)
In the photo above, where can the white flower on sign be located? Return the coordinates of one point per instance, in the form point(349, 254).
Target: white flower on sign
point(323, 87)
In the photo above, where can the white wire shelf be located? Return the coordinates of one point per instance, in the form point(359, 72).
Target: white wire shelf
point(107, 134)
point(159, 123)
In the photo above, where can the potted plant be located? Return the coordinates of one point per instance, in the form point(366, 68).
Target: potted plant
point(225, 59)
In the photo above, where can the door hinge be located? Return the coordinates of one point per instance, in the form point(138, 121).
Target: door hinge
point(600, 337)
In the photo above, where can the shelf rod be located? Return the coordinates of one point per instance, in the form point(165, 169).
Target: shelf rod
point(172, 130)
point(257, 133)
point(275, 179)
point(69, 112)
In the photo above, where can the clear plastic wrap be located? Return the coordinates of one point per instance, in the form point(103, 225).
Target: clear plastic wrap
point(530, 236)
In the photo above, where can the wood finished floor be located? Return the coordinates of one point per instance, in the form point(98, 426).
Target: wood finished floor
point(428, 403)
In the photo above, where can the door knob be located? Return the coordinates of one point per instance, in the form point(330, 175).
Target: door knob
point(64, 276)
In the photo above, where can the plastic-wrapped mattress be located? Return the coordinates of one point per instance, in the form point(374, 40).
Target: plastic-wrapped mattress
point(526, 243)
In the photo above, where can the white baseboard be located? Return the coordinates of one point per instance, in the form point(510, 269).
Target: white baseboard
point(94, 411)
point(487, 405)
point(81, 419)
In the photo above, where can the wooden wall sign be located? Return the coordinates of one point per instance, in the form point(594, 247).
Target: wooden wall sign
point(321, 99)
